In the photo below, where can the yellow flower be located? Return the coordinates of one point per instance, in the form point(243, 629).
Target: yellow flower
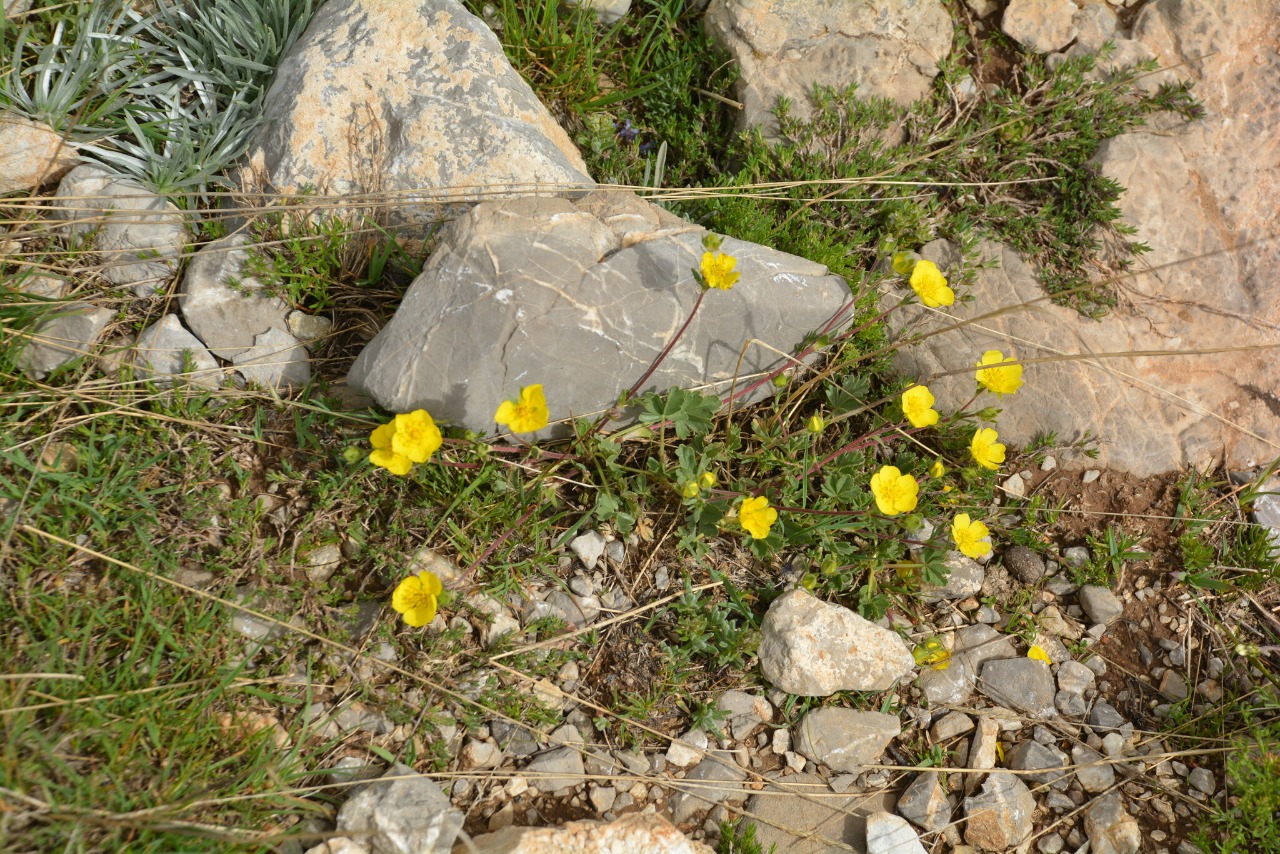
point(930, 285)
point(932, 652)
point(383, 455)
point(526, 415)
point(757, 517)
point(937, 469)
point(415, 436)
point(917, 405)
point(894, 491)
point(985, 449)
point(416, 598)
point(1039, 655)
point(717, 270)
point(690, 489)
point(998, 374)
point(815, 424)
point(970, 537)
point(707, 480)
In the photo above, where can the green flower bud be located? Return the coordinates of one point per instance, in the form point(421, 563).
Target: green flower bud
point(904, 262)
point(780, 381)
point(352, 454)
point(711, 241)
point(815, 424)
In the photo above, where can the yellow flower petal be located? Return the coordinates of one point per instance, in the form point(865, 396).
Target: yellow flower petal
point(417, 597)
point(529, 414)
point(998, 374)
point(717, 270)
point(969, 536)
point(416, 436)
point(707, 480)
point(917, 403)
point(757, 517)
point(986, 450)
point(397, 464)
point(1039, 655)
point(894, 491)
point(381, 436)
point(930, 285)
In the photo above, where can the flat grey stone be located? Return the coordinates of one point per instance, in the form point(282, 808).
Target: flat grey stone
point(139, 236)
point(717, 779)
point(813, 649)
point(924, 803)
point(889, 834)
point(746, 712)
point(589, 548)
point(542, 290)
point(1044, 758)
point(951, 725)
point(799, 815)
point(1093, 772)
point(275, 360)
point(1100, 604)
point(70, 332)
point(964, 579)
point(409, 815)
point(999, 817)
point(557, 771)
point(1020, 683)
point(31, 153)
point(1074, 677)
point(452, 120)
point(159, 353)
point(845, 739)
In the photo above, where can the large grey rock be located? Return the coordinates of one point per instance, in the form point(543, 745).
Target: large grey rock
point(237, 319)
point(581, 298)
point(31, 154)
point(972, 647)
point(746, 712)
point(1202, 195)
point(845, 739)
point(414, 99)
point(1049, 761)
point(403, 816)
point(138, 236)
point(1100, 604)
point(890, 48)
point(964, 578)
point(162, 350)
point(70, 331)
point(799, 815)
point(1110, 828)
point(634, 832)
point(889, 834)
point(999, 817)
point(717, 779)
point(813, 649)
point(1024, 684)
point(1093, 771)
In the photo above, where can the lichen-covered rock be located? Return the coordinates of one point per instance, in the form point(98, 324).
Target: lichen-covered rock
point(412, 98)
point(582, 298)
point(31, 154)
point(846, 739)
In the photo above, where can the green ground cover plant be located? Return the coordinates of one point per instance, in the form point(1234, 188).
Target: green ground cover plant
point(138, 521)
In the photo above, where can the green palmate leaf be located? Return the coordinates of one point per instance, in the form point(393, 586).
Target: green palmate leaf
point(689, 412)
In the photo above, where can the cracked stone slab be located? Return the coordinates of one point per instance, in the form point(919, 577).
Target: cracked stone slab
point(581, 298)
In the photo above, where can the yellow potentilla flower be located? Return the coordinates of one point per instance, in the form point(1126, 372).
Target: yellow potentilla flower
point(894, 491)
point(932, 652)
point(690, 489)
point(1039, 654)
point(416, 598)
point(707, 480)
point(416, 436)
point(970, 537)
point(526, 415)
point(717, 270)
point(756, 516)
point(383, 455)
point(816, 424)
point(998, 374)
point(937, 469)
point(988, 452)
point(930, 285)
point(917, 405)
